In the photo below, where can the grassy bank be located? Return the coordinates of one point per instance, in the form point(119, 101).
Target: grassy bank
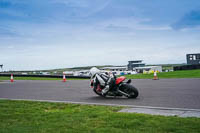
point(43, 117)
point(175, 74)
point(36, 78)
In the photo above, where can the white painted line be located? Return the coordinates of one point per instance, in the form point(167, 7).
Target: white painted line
point(178, 113)
point(3, 82)
point(103, 104)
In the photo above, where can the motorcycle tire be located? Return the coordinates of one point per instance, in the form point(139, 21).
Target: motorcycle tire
point(98, 93)
point(131, 90)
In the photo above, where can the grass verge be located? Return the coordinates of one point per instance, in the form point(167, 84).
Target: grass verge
point(36, 78)
point(44, 117)
point(175, 74)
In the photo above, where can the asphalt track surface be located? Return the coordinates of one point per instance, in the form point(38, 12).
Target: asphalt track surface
point(167, 93)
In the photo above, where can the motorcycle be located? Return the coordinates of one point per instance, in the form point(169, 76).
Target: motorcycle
point(120, 88)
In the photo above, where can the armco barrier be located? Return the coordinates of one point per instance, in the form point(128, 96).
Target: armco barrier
point(45, 76)
point(186, 67)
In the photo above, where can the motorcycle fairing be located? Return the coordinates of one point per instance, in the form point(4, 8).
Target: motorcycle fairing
point(120, 79)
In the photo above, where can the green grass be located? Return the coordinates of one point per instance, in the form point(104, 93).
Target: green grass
point(175, 74)
point(43, 117)
point(36, 78)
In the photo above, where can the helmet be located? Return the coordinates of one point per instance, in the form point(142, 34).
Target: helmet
point(94, 70)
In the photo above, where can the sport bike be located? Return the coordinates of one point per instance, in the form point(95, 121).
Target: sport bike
point(120, 88)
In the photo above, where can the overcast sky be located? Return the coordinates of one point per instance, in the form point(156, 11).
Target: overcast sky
point(46, 34)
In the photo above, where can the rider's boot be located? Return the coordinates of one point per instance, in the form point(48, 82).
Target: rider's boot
point(105, 90)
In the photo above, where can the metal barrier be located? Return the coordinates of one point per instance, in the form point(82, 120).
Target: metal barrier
point(186, 67)
point(45, 76)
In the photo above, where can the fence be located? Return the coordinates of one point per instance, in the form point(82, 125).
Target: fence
point(45, 76)
point(186, 67)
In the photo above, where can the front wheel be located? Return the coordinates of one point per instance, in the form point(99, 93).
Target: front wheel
point(130, 90)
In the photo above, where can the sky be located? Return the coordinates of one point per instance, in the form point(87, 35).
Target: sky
point(48, 34)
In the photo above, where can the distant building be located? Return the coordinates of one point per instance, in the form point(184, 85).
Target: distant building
point(24, 73)
point(68, 73)
point(121, 68)
point(148, 69)
point(193, 59)
point(193, 62)
point(135, 63)
point(45, 73)
point(117, 70)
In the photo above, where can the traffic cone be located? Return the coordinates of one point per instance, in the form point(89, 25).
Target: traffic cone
point(155, 77)
point(64, 78)
point(11, 78)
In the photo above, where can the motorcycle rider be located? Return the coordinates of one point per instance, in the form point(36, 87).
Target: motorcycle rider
point(105, 79)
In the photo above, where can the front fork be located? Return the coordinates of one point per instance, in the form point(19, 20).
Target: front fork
point(122, 92)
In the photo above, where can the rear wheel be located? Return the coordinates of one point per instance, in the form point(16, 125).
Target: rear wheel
point(129, 89)
point(96, 91)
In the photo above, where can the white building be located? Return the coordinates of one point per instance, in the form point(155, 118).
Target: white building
point(69, 73)
point(45, 73)
point(148, 69)
point(77, 73)
point(122, 70)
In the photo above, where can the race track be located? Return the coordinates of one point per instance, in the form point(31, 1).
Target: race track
point(169, 93)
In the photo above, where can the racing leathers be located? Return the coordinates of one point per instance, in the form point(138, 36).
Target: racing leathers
point(105, 80)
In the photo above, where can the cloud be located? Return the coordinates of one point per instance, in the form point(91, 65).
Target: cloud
point(73, 3)
point(8, 32)
point(115, 28)
point(189, 20)
point(82, 31)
